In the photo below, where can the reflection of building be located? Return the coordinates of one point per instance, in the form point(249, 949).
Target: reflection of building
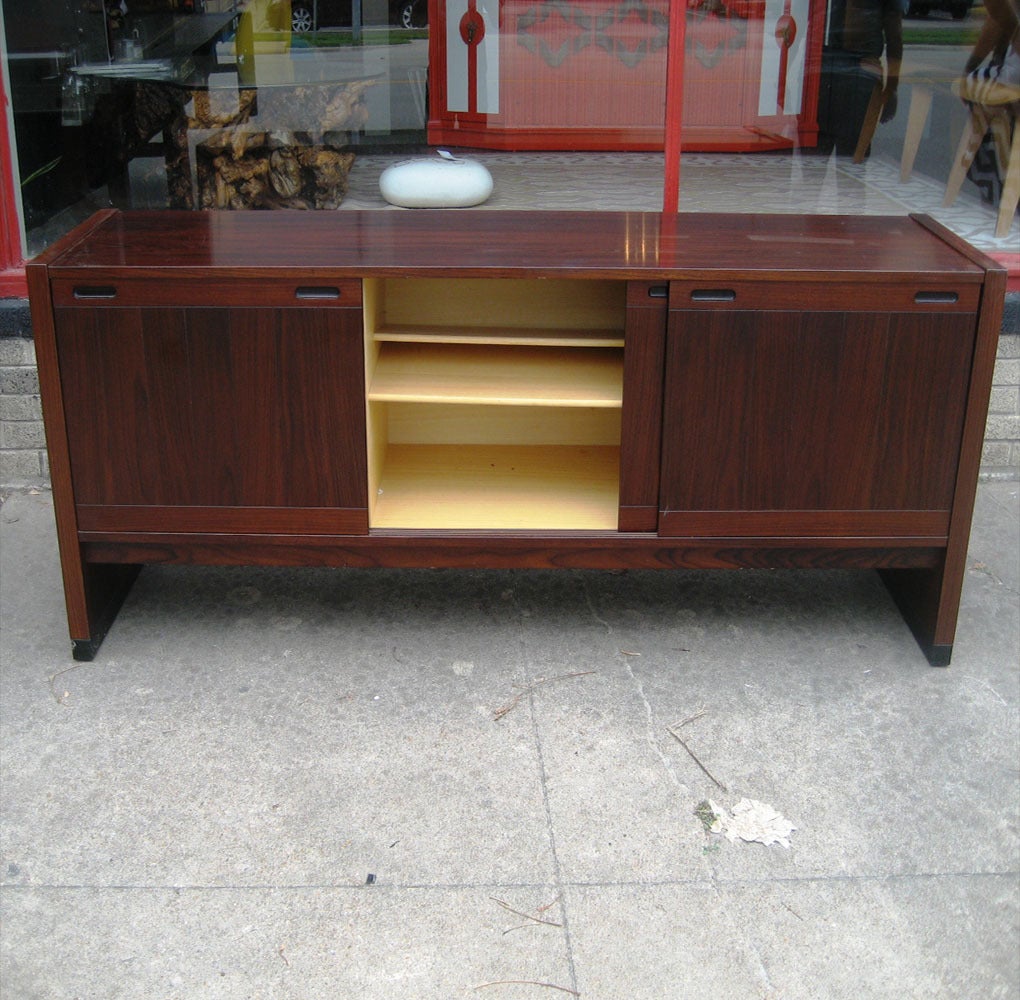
point(545, 74)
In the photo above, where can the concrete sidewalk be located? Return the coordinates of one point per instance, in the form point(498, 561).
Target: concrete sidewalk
point(293, 784)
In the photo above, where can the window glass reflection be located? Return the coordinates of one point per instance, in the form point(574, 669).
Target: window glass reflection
point(856, 106)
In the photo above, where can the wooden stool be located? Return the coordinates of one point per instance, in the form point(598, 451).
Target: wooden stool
point(920, 108)
point(1001, 120)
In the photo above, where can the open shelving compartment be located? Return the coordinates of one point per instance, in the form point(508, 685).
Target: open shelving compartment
point(494, 404)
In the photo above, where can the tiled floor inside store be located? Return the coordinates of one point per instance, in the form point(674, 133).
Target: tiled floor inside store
point(789, 181)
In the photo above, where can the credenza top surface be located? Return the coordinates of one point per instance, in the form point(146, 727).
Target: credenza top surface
point(509, 243)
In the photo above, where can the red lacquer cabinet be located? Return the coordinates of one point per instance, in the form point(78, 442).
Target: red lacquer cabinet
point(544, 74)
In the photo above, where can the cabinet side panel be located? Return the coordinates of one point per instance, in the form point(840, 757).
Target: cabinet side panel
point(58, 448)
point(930, 600)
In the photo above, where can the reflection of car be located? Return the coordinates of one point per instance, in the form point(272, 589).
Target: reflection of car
point(410, 14)
point(306, 15)
point(922, 8)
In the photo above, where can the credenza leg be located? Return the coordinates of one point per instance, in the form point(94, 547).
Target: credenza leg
point(105, 587)
point(929, 605)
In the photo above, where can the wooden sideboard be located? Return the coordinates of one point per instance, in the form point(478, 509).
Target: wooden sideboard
point(515, 389)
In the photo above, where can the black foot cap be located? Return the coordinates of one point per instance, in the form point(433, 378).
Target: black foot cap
point(85, 650)
point(939, 656)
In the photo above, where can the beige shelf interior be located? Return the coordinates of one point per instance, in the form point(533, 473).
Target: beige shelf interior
point(522, 312)
point(498, 375)
point(460, 423)
point(494, 404)
point(498, 487)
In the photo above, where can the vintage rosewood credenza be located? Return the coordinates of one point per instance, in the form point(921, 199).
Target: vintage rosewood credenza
point(515, 389)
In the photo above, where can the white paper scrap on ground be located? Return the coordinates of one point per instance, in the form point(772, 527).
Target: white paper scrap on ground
point(752, 821)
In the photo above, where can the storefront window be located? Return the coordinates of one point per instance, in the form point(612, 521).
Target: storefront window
point(850, 106)
point(192, 104)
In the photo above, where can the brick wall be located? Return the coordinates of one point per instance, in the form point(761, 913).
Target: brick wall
point(23, 459)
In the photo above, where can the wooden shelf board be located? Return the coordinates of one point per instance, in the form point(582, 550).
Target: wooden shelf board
point(499, 336)
point(499, 488)
point(457, 373)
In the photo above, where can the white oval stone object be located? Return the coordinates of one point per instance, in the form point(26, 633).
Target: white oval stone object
point(444, 181)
